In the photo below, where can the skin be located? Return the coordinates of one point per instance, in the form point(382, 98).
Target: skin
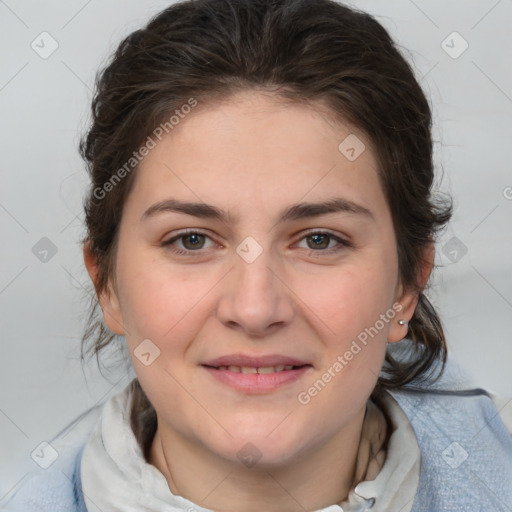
point(253, 156)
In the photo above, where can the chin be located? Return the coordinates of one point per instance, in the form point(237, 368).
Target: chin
point(262, 445)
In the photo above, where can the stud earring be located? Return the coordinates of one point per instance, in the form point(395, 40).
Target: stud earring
point(402, 322)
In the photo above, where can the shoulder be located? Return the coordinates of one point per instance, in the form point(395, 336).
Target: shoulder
point(466, 450)
point(57, 488)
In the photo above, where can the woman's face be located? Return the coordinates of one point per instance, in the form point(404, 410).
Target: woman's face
point(262, 280)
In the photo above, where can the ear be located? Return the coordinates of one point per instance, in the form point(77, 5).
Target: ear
point(408, 298)
point(108, 299)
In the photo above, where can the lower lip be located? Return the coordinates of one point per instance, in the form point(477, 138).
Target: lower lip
point(257, 383)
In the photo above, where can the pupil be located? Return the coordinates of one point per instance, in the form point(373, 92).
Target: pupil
point(318, 239)
point(195, 240)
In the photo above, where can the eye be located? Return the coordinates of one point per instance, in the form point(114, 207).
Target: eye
point(191, 240)
point(320, 241)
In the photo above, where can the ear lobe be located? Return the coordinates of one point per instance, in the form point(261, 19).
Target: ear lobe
point(408, 298)
point(108, 298)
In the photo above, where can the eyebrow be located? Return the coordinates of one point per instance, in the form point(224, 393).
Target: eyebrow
point(295, 212)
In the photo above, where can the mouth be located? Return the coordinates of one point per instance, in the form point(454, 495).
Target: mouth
point(259, 370)
point(261, 375)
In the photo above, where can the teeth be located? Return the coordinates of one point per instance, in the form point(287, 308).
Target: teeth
point(266, 369)
point(263, 369)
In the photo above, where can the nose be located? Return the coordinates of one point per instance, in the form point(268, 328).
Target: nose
point(255, 299)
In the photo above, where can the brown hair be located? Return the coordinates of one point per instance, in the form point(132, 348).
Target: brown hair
point(301, 50)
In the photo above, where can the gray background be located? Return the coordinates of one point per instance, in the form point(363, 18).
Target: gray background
point(44, 105)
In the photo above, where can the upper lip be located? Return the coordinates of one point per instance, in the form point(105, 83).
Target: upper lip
point(255, 362)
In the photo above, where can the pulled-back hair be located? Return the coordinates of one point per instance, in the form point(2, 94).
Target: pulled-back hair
point(299, 50)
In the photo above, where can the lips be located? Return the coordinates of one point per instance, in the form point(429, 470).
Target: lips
point(257, 375)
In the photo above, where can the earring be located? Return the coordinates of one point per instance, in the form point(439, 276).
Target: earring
point(400, 322)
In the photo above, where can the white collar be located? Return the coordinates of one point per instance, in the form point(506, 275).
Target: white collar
point(394, 488)
point(116, 476)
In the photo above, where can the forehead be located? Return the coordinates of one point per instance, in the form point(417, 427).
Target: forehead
point(254, 148)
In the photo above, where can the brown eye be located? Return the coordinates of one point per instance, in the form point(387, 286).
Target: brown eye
point(187, 243)
point(193, 241)
point(322, 242)
point(319, 241)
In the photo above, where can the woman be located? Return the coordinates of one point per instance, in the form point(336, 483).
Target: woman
point(261, 229)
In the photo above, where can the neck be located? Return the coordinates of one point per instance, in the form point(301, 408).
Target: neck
point(320, 476)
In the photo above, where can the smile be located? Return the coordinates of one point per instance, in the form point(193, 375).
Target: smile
point(257, 380)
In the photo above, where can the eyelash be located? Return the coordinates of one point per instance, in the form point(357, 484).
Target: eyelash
point(342, 244)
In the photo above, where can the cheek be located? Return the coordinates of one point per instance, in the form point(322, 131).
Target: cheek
point(354, 339)
point(159, 303)
point(352, 299)
point(355, 306)
point(158, 300)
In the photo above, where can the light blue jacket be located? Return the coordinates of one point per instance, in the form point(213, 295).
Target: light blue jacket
point(466, 455)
